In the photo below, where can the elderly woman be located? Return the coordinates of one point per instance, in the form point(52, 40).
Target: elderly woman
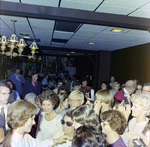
point(68, 129)
point(140, 109)
point(49, 120)
point(146, 137)
point(20, 117)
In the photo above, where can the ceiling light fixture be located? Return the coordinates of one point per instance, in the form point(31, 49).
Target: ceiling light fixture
point(68, 54)
point(91, 42)
point(14, 43)
point(72, 52)
point(116, 30)
point(26, 37)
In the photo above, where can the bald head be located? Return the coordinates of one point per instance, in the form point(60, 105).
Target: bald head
point(130, 86)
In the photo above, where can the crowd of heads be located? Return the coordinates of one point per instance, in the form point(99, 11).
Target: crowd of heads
point(90, 125)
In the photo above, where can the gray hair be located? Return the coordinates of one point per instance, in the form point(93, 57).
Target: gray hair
point(30, 96)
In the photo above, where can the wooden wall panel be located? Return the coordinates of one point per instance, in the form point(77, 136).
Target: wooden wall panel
point(131, 63)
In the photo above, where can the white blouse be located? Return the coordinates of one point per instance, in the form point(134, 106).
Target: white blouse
point(47, 129)
point(133, 128)
point(18, 140)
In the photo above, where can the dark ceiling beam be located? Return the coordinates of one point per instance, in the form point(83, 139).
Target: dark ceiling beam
point(56, 55)
point(65, 14)
point(67, 50)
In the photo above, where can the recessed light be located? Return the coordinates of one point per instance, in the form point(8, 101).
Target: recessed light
point(116, 30)
point(91, 42)
point(68, 54)
point(26, 37)
point(72, 52)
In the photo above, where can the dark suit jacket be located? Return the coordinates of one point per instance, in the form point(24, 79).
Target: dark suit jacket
point(28, 87)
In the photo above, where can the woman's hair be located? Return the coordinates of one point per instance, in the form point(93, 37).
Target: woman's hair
point(115, 119)
point(146, 128)
point(143, 100)
point(77, 93)
point(107, 85)
point(88, 136)
point(69, 114)
point(114, 84)
point(13, 85)
point(2, 121)
point(51, 96)
point(84, 90)
point(62, 88)
point(18, 114)
point(30, 96)
point(85, 115)
point(105, 96)
point(63, 97)
point(38, 98)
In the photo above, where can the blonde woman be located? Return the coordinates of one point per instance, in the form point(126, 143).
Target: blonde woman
point(20, 117)
point(115, 88)
point(103, 101)
point(140, 109)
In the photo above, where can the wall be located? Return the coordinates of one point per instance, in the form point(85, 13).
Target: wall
point(131, 63)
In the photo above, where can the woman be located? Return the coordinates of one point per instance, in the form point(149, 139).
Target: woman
point(103, 101)
point(105, 86)
point(115, 88)
point(85, 115)
point(88, 136)
point(14, 95)
point(63, 106)
point(49, 120)
point(20, 119)
point(140, 109)
point(113, 125)
point(68, 129)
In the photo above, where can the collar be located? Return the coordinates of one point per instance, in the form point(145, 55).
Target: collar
point(33, 83)
point(16, 75)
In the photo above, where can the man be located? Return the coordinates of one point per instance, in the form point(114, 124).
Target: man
point(4, 96)
point(76, 99)
point(146, 88)
point(32, 86)
point(59, 83)
point(18, 80)
point(112, 80)
point(125, 93)
point(44, 81)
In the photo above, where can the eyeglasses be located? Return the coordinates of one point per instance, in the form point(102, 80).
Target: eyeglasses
point(74, 100)
point(145, 91)
point(68, 123)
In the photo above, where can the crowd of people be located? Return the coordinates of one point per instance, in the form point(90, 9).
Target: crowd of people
point(36, 114)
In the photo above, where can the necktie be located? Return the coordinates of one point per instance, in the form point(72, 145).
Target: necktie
point(3, 114)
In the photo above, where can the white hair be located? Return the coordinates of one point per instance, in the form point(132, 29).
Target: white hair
point(30, 96)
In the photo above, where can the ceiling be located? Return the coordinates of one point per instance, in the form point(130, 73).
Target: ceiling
point(63, 26)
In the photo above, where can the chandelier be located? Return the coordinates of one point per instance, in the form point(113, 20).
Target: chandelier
point(13, 43)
